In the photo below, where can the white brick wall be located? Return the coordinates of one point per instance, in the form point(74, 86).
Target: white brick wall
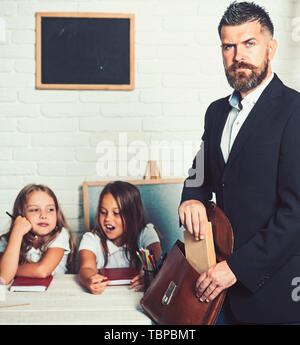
point(51, 136)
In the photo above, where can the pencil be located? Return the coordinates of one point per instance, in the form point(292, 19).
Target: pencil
point(161, 259)
point(11, 216)
point(140, 258)
point(152, 259)
point(14, 305)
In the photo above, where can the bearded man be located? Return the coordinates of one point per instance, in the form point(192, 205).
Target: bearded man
point(251, 163)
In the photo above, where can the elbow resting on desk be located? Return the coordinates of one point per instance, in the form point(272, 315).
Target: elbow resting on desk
point(34, 271)
point(5, 280)
point(38, 272)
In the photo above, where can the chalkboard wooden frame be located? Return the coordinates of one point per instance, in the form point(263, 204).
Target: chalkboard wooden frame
point(168, 227)
point(83, 86)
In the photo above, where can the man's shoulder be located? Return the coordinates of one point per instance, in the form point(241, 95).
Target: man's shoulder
point(291, 94)
point(289, 99)
point(278, 88)
point(218, 107)
point(220, 102)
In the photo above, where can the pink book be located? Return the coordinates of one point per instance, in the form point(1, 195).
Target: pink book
point(119, 276)
point(30, 284)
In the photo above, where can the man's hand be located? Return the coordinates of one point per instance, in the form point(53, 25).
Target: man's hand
point(213, 281)
point(193, 217)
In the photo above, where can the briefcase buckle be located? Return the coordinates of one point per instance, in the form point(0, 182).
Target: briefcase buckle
point(168, 293)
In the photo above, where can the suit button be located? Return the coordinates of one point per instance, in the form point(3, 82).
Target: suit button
point(223, 185)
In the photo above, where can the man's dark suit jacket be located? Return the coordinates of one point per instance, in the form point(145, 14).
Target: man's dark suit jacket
point(259, 191)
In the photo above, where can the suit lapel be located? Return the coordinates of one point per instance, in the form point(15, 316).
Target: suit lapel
point(261, 109)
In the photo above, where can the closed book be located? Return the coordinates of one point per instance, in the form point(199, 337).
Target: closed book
point(119, 276)
point(30, 284)
point(200, 254)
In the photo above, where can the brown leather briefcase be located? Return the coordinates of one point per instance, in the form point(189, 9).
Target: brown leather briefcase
point(171, 299)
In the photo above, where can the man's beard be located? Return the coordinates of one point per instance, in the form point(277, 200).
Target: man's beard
point(240, 81)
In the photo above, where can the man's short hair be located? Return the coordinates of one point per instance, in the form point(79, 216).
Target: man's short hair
point(238, 13)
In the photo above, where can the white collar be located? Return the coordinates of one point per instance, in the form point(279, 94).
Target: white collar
point(112, 248)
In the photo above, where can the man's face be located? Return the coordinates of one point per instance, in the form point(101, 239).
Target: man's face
point(247, 51)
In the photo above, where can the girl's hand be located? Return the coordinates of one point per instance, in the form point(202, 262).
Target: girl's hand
point(97, 283)
point(21, 226)
point(137, 282)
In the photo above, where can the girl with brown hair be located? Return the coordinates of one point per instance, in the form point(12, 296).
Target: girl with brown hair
point(120, 230)
point(39, 241)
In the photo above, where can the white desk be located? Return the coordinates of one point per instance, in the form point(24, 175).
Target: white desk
point(67, 302)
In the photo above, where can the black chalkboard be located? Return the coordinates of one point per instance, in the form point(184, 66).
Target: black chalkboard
point(86, 51)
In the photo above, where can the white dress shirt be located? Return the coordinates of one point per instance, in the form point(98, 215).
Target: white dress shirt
point(238, 114)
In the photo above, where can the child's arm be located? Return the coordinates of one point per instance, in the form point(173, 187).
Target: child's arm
point(44, 267)
point(9, 260)
point(88, 273)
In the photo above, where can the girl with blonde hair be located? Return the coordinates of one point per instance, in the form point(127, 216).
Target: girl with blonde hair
point(39, 242)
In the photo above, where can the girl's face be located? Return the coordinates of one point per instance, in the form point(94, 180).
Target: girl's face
point(40, 211)
point(110, 219)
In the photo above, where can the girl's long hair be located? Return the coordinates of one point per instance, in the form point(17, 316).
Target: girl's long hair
point(28, 239)
point(133, 217)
